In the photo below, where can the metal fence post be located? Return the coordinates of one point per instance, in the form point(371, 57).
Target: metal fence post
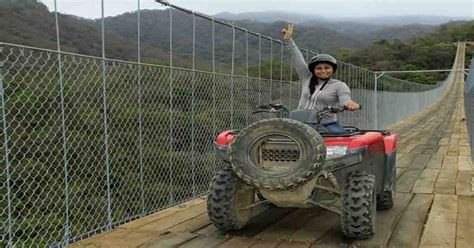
point(106, 134)
point(63, 128)
point(193, 111)
point(171, 126)
point(140, 113)
point(7, 161)
point(376, 122)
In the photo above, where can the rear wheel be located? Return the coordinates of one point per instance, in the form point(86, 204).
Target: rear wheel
point(386, 200)
point(359, 205)
point(228, 201)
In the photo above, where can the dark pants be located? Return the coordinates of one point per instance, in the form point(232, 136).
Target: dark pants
point(335, 127)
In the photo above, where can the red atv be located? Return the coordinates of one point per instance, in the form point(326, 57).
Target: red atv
point(292, 161)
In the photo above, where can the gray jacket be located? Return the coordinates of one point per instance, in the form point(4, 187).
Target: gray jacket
point(334, 93)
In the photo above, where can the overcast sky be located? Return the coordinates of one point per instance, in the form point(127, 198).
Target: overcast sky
point(345, 8)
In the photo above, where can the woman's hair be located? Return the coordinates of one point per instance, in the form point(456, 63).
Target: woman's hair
point(312, 84)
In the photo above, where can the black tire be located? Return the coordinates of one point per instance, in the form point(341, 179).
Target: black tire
point(386, 199)
point(312, 152)
point(359, 205)
point(227, 195)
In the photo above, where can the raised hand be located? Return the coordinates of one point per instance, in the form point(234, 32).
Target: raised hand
point(288, 31)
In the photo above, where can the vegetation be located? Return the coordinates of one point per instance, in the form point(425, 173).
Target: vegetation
point(433, 51)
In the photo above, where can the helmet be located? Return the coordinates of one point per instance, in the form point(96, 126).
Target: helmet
point(322, 58)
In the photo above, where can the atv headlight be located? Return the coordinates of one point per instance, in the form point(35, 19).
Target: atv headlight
point(335, 151)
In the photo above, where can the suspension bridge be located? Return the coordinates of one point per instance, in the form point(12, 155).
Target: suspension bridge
point(100, 152)
point(434, 200)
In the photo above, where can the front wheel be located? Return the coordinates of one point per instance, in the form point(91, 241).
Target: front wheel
point(228, 201)
point(359, 205)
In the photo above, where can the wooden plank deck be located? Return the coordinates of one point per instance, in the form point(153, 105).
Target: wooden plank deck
point(434, 205)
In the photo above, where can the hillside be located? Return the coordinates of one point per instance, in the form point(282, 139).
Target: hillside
point(379, 47)
point(394, 20)
point(19, 24)
point(432, 51)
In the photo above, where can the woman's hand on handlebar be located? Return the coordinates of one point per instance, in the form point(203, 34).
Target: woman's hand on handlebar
point(288, 31)
point(352, 106)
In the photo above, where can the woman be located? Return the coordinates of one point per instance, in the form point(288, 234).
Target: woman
point(319, 88)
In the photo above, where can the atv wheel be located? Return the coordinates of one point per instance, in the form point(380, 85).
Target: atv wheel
point(228, 196)
point(306, 154)
point(358, 205)
point(387, 197)
point(386, 200)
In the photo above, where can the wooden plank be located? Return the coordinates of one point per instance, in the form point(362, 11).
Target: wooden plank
point(430, 149)
point(435, 161)
point(294, 244)
point(444, 141)
point(236, 241)
point(333, 238)
point(282, 229)
point(426, 181)
point(465, 183)
point(464, 150)
point(400, 171)
point(464, 163)
point(169, 240)
point(206, 241)
point(407, 180)
point(256, 225)
point(191, 225)
point(450, 163)
point(420, 161)
point(263, 221)
point(446, 182)
point(171, 220)
point(131, 235)
point(419, 148)
point(406, 148)
point(406, 160)
point(465, 224)
point(135, 238)
point(407, 233)
point(164, 213)
point(316, 227)
point(442, 150)
point(454, 139)
point(400, 155)
point(385, 222)
point(453, 151)
point(440, 228)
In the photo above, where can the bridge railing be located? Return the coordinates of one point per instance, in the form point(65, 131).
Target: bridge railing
point(90, 143)
point(469, 107)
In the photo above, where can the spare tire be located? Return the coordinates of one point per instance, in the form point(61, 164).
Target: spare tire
point(245, 154)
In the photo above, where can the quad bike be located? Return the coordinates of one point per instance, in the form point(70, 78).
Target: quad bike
point(292, 161)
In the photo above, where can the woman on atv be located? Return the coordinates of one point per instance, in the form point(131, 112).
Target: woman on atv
point(319, 88)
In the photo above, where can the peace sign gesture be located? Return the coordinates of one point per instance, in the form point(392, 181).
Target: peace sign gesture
point(288, 31)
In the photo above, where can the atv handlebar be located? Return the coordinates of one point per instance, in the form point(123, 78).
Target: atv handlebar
point(339, 108)
point(278, 108)
point(271, 108)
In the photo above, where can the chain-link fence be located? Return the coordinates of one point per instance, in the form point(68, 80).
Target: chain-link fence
point(469, 107)
point(91, 143)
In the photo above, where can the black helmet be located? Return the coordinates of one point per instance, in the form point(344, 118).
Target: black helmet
point(322, 58)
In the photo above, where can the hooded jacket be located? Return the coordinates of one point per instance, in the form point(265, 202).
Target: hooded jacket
point(335, 92)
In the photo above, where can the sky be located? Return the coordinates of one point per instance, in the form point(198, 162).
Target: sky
point(328, 8)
